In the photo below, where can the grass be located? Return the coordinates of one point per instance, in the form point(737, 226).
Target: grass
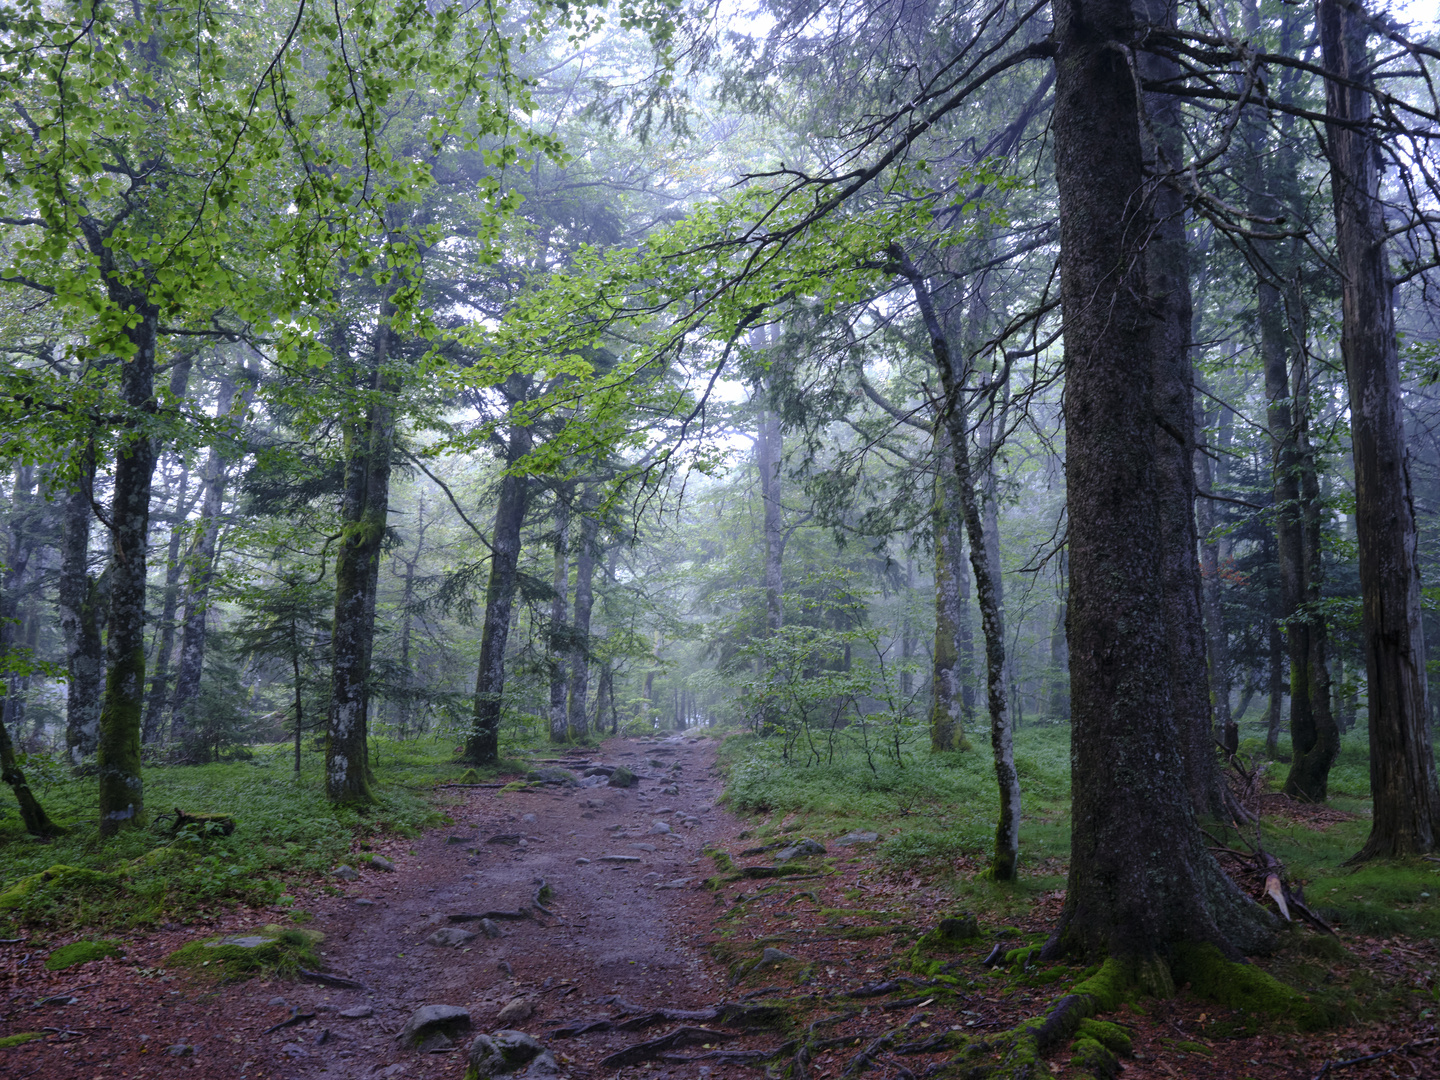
point(285, 830)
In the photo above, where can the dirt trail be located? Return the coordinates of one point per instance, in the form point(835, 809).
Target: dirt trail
point(618, 929)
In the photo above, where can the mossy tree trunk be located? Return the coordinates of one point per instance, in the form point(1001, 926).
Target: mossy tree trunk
point(947, 689)
point(1141, 878)
point(170, 604)
point(81, 604)
point(365, 511)
point(122, 795)
point(482, 744)
point(559, 614)
point(1402, 767)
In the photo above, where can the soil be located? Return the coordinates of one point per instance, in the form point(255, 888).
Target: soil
point(611, 945)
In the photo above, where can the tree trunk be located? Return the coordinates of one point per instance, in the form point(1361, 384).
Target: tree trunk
point(1141, 878)
point(1004, 865)
point(1216, 643)
point(122, 795)
point(81, 605)
point(407, 599)
point(482, 745)
point(947, 720)
point(584, 605)
point(160, 678)
point(189, 742)
point(20, 548)
point(1402, 766)
point(1275, 711)
point(559, 610)
point(365, 513)
point(1167, 281)
point(770, 450)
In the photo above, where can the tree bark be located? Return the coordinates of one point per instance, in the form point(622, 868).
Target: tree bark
point(365, 513)
point(482, 745)
point(770, 452)
point(584, 606)
point(15, 583)
point(559, 610)
point(81, 605)
point(122, 794)
point(189, 742)
point(1402, 766)
point(1141, 878)
point(947, 702)
point(1216, 643)
point(160, 677)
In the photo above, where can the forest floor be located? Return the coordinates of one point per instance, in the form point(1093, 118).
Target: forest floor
point(814, 963)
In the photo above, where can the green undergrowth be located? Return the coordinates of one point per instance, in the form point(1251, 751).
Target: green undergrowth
point(269, 950)
point(930, 810)
point(285, 830)
point(80, 952)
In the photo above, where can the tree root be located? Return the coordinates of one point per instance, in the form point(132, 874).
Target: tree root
point(646, 1051)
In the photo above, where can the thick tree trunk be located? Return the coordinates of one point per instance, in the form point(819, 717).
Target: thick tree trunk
point(584, 605)
point(1167, 272)
point(1141, 878)
point(1216, 643)
point(1004, 864)
point(1402, 766)
point(559, 615)
point(160, 678)
point(365, 514)
point(482, 745)
point(190, 743)
point(947, 702)
point(81, 604)
point(122, 796)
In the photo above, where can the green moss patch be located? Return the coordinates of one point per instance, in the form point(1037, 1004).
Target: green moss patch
point(20, 1038)
point(80, 952)
point(1243, 987)
point(31, 896)
point(272, 948)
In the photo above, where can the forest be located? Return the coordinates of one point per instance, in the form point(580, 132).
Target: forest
point(880, 383)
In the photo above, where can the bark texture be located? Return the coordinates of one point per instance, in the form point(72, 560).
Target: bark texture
point(1141, 878)
point(1402, 765)
point(170, 604)
point(81, 601)
point(559, 616)
point(482, 745)
point(947, 687)
point(577, 719)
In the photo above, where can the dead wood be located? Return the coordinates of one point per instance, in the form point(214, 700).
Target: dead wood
point(646, 1051)
point(330, 980)
point(470, 916)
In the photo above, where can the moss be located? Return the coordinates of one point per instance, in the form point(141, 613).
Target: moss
point(39, 890)
point(20, 1038)
point(723, 862)
point(1243, 987)
point(1093, 1058)
point(1111, 1036)
point(1109, 986)
point(80, 952)
point(469, 776)
point(514, 785)
point(951, 934)
point(1188, 1047)
point(271, 949)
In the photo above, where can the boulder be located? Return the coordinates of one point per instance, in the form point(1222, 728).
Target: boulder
point(799, 850)
point(662, 828)
point(857, 837)
point(507, 1053)
point(429, 1021)
point(345, 873)
point(622, 778)
point(450, 937)
point(516, 1011)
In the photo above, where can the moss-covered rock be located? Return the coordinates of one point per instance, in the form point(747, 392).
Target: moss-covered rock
point(1094, 1059)
point(1111, 1036)
point(39, 890)
point(951, 934)
point(20, 1038)
point(469, 776)
point(271, 949)
point(80, 952)
point(621, 778)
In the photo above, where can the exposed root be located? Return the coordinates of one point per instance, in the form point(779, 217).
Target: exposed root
point(648, 1051)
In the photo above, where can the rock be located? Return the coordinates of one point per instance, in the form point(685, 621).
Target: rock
point(582, 861)
point(360, 901)
point(345, 873)
point(678, 883)
point(664, 810)
point(552, 775)
point(799, 850)
point(856, 837)
point(772, 956)
point(516, 1011)
point(598, 780)
point(643, 847)
point(652, 876)
point(507, 1052)
point(460, 839)
point(620, 858)
point(278, 1001)
point(180, 1050)
point(670, 789)
point(662, 828)
point(391, 1071)
point(528, 818)
point(600, 770)
point(510, 839)
point(428, 1020)
point(294, 1051)
point(690, 822)
point(379, 862)
point(622, 778)
point(450, 937)
point(357, 1012)
point(489, 928)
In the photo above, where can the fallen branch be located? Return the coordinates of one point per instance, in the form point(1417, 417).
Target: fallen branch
point(296, 1017)
point(1331, 1066)
point(470, 916)
point(330, 980)
point(471, 785)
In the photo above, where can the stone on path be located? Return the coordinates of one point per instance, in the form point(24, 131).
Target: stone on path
point(799, 850)
point(360, 901)
point(620, 858)
point(622, 778)
point(506, 1053)
point(379, 862)
point(345, 873)
point(357, 1012)
point(643, 847)
point(678, 883)
point(450, 937)
point(429, 1021)
point(770, 957)
point(662, 828)
point(489, 928)
point(516, 1011)
point(582, 861)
